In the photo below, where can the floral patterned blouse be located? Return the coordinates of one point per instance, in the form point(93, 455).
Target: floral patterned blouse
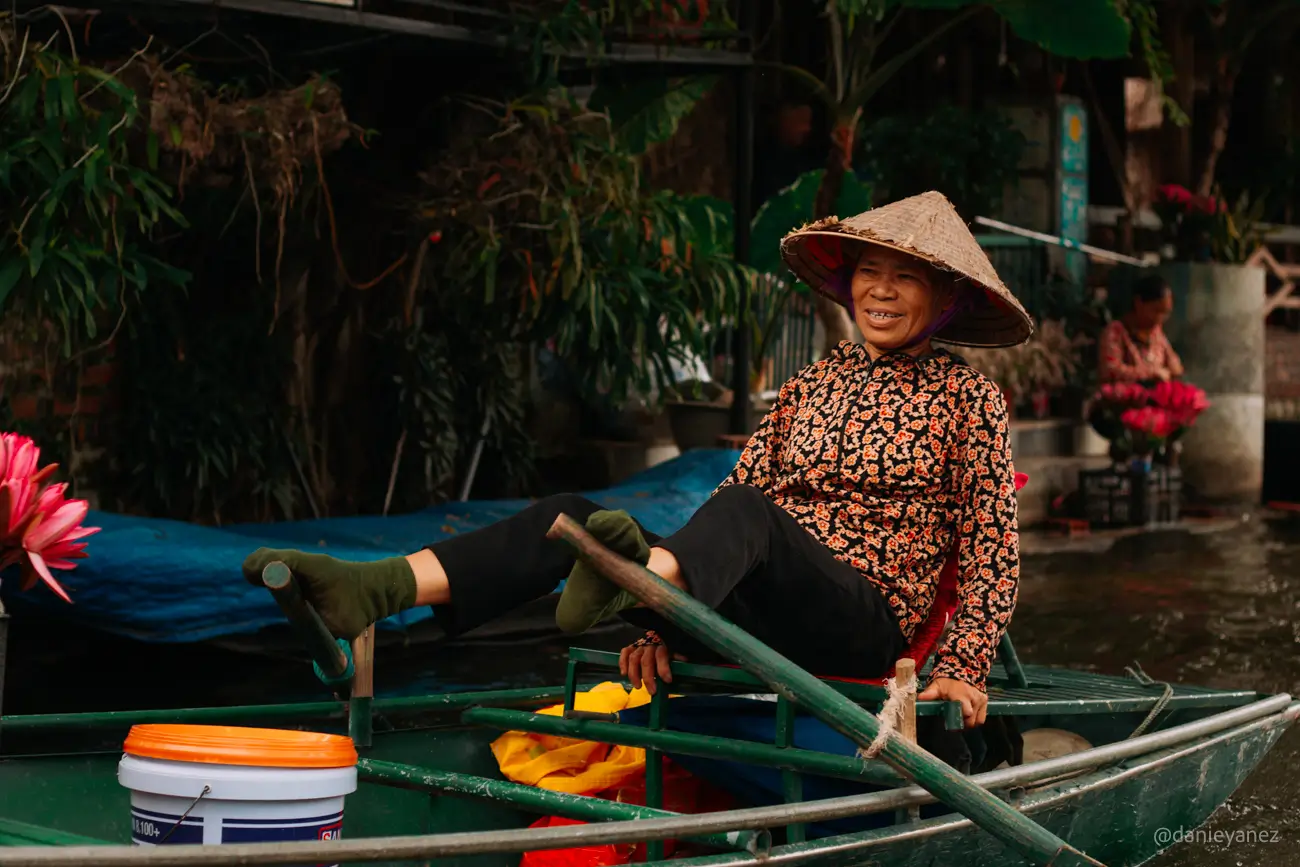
point(888, 463)
point(1124, 359)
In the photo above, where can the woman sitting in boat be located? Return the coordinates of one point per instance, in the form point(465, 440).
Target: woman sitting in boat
point(1134, 348)
point(827, 540)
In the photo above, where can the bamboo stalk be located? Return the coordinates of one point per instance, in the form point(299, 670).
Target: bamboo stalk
point(1018, 832)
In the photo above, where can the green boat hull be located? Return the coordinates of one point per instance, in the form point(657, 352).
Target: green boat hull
point(1120, 814)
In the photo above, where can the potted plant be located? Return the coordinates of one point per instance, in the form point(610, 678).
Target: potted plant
point(1028, 374)
point(1217, 328)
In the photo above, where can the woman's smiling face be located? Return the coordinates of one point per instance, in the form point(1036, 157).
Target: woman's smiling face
point(896, 297)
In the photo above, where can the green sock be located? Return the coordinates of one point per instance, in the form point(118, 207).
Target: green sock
point(589, 597)
point(348, 595)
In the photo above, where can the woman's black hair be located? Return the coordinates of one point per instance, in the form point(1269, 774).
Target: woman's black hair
point(1150, 288)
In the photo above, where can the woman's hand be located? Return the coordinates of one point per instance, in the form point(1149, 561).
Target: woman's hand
point(974, 704)
point(642, 659)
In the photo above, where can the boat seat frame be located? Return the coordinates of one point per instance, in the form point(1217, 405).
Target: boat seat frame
point(1014, 690)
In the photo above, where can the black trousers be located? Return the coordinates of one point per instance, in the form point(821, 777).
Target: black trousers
point(740, 554)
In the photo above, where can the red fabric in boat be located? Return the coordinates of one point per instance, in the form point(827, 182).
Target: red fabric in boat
point(926, 637)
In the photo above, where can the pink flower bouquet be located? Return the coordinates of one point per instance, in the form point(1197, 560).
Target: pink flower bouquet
point(1183, 402)
point(1142, 421)
point(40, 529)
point(1148, 427)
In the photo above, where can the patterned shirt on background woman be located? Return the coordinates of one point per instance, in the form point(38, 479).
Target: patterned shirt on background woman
point(1124, 359)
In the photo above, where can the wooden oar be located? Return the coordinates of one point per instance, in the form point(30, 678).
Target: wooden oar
point(1001, 820)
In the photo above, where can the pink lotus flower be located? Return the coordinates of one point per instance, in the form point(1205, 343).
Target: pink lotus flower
point(39, 528)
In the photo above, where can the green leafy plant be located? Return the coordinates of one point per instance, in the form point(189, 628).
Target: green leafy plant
point(550, 30)
point(78, 206)
point(648, 112)
point(971, 156)
point(545, 220)
point(229, 413)
point(1238, 230)
point(789, 208)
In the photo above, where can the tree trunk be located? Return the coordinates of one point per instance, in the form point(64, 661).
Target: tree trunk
point(835, 320)
point(1224, 85)
point(1176, 33)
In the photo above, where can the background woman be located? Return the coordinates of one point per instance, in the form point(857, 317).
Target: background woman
point(1134, 348)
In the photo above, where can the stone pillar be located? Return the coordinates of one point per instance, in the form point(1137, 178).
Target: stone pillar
point(1217, 328)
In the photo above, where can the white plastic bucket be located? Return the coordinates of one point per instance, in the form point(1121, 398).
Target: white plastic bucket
point(218, 784)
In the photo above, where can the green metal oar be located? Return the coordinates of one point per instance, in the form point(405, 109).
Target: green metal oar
point(332, 657)
point(1018, 832)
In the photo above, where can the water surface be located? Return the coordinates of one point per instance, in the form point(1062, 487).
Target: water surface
point(1220, 609)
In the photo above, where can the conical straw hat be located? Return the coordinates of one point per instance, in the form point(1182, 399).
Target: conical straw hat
point(928, 227)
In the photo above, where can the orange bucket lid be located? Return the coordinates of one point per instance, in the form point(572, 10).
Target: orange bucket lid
point(234, 745)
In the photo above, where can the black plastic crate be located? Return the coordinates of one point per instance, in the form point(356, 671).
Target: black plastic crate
point(1129, 498)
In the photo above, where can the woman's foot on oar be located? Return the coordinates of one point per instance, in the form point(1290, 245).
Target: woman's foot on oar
point(589, 597)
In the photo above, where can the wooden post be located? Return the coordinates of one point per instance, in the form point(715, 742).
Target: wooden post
point(905, 678)
point(360, 720)
point(1020, 833)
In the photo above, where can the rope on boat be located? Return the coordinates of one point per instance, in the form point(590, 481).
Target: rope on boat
point(1135, 671)
point(891, 714)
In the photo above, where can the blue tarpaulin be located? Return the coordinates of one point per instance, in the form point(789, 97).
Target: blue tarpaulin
point(167, 581)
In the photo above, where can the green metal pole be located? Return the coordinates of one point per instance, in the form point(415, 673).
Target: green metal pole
point(705, 746)
point(544, 801)
point(333, 659)
point(441, 703)
point(1018, 832)
point(1011, 662)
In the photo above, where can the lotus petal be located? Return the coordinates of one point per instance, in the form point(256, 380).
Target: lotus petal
point(51, 528)
point(17, 509)
point(38, 564)
point(51, 498)
point(44, 473)
point(65, 551)
point(22, 465)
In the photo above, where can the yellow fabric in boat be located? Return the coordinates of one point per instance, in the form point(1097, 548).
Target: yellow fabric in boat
point(573, 766)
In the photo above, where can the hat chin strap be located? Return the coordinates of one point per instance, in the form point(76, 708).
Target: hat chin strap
point(939, 322)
